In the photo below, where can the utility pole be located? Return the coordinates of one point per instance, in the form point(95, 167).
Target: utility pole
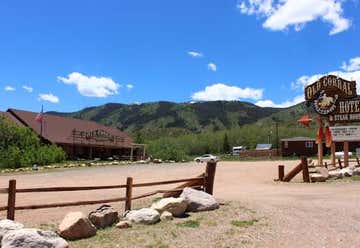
point(277, 134)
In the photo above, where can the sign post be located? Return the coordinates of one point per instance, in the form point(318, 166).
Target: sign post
point(334, 99)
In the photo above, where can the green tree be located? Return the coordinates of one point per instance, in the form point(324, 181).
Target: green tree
point(226, 145)
point(20, 146)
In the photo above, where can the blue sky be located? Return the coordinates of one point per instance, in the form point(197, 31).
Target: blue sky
point(69, 55)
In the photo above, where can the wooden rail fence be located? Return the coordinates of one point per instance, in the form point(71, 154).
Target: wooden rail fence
point(205, 182)
point(304, 167)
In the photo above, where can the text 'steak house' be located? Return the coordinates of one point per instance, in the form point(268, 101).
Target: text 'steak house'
point(79, 138)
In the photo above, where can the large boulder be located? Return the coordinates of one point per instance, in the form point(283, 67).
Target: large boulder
point(356, 171)
point(7, 226)
point(144, 216)
point(176, 206)
point(346, 172)
point(323, 171)
point(335, 174)
point(199, 200)
point(32, 238)
point(316, 177)
point(104, 216)
point(166, 216)
point(76, 225)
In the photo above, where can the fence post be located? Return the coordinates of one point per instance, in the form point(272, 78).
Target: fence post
point(305, 169)
point(209, 177)
point(11, 200)
point(129, 186)
point(281, 170)
point(340, 166)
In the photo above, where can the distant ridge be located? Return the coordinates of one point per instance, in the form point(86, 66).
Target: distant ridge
point(172, 119)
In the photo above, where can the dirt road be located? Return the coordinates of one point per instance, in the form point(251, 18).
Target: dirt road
point(297, 214)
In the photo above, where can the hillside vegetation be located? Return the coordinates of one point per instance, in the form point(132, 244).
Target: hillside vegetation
point(175, 131)
point(173, 119)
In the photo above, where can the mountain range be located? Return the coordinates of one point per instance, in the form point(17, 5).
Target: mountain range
point(162, 118)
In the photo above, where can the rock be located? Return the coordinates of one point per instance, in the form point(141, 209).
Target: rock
point(356, 171)
point(124, 224)
point(104, 216)
point(166, 216)
point(157, 161)
point(323, 171)
point(176, 206)
point(335, 174)
point(316, 177)
point(143, 216)
point(7, 226)
point(29, 238)
point(346, 172)
point(76, 225)
point(199, 200)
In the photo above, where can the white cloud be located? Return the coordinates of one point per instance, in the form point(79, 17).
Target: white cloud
point(195, 54)
point(351, 72)
point(129, 86)
point(212, 67)
point(49, 97)
point(351, 76)
point(353, 65)
point(90, 85)
point(269, 103)
point(27, 88)
point(280, 14)
point(9, 88)
point(227, 93)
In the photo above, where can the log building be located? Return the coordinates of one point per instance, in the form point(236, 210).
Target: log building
point(79, 138)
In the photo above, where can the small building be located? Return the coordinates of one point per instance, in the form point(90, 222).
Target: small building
point(79, 138)
point(298, 146)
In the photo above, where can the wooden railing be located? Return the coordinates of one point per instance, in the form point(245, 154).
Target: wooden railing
point(304, 167)
point(205, 182)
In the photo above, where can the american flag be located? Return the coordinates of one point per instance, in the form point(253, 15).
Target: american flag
point(40, 116)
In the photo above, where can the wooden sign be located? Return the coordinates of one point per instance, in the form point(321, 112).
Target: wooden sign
point(345, 133)
point(334, 97)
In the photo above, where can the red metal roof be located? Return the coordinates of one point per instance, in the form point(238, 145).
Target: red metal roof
point(10, 117)
point(66, 130)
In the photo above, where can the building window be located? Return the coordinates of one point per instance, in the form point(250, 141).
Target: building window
point(309, 144)
point(286, 144)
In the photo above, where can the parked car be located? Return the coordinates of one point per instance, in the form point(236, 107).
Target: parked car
point(206, 158)
point(237, 149)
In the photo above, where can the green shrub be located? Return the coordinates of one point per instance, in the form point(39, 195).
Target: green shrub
point(20, 147)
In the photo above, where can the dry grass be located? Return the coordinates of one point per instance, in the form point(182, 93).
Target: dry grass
point(205, 229)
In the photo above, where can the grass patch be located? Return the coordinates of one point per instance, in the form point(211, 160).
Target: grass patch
point(212, 229)
point(355, 178)
point(243, 223)
point(189, 223)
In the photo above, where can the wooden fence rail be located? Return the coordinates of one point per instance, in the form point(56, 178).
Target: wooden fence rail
point(205, 182)
point(304, 167)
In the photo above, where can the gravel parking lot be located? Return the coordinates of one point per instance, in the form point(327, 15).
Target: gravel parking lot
point(296, 214)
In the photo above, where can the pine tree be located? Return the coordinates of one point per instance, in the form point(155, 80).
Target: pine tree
point(226, 145)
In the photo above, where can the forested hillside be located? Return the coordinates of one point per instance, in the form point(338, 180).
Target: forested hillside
point(178, 130)
point(174, 119)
